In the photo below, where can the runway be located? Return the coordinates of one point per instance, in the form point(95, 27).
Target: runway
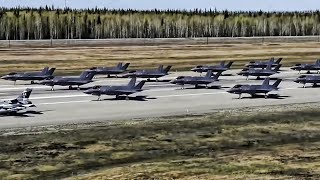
point(158, 99)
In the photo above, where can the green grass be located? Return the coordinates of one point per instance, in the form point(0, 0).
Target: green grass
point(226, 145)
point(182, 57)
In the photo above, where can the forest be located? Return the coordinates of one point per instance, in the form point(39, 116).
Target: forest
point(52, 23)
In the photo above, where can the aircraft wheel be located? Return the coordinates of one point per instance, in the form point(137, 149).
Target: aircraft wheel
point(70, 87)
point(32, 82)
point(266, 96)
point(127, 98)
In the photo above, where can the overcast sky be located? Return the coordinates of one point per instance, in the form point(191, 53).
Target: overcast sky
point(267, 5)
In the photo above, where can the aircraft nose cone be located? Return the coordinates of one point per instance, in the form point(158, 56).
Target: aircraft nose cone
point(89, 91)
point(173, 81)
point(4, 77)
point(231, 91)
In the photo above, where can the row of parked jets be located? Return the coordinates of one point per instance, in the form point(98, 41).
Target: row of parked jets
point(257, 69)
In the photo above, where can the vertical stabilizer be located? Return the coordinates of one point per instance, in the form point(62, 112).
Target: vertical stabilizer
point(269, 66)
point(140, 85)
point(25, 95)
point(229, 64)
point(278, 60)
point(51, 71)
point(45, 70)
point(132, 82)
point(160, 68)
point(216, 76)
point(266, 82)
point(276, 84)
point(209, 74)
point(125, 67)
point(277, 68)
point(87, 75)
point(167, 69)
point(119, 66)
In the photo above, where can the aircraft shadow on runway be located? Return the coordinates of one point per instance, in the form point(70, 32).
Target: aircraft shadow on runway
point(270, 96)
point(204, 87)
point(162, 80)
point(309, 87)
point(23, 114)
point(228, 74)
point(131, 98)
point(262, 78)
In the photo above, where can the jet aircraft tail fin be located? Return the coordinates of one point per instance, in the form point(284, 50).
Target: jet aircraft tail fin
point(119, 66)
point(266, 82)
point(278, 61)
point(209, 74)
point(87, 75)
point(140, 85)
point(229, 64)
point(318, 62)
point(271, 60)
point(125, 67)
point(51, 71)
point(167, 69)
point(24, 96)
point(269, 66)
point(132, 82)
point(216, 76)
point(45, 70)
point(276, 84)
point(277, 67)
point(160, 68)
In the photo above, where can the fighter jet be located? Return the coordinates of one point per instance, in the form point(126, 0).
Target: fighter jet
point(116, 90)
point(20, 103)
point(46, 73)
point(304, 79)
point(84, 78)
point(111, 70)
point(307, 67)
point(218, 68)
point(195, 80)
point(149, 73)
point(253, 90)
point(264, 64)
point(260, 72)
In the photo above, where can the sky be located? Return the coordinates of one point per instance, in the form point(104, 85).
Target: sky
point(266, 5)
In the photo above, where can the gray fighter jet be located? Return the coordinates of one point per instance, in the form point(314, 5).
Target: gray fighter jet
point(218, 68)
point(116, 90)
point(46, 73)
point(195, 80)
point(260, 72)
point(307, 67)
point(264, 64)
point(20, 103)
point(84, 78)
point(150, 73)
point(111, 70)
point(304, 79)
point(253, 90)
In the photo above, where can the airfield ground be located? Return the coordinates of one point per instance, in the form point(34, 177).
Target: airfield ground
point(71, 134)
point(159, 99)
point(72, 60)
point(272, 142)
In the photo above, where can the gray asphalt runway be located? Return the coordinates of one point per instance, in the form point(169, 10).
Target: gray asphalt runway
point(159, 99)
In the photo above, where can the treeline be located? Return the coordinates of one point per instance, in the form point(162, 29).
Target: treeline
point(52, 23)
